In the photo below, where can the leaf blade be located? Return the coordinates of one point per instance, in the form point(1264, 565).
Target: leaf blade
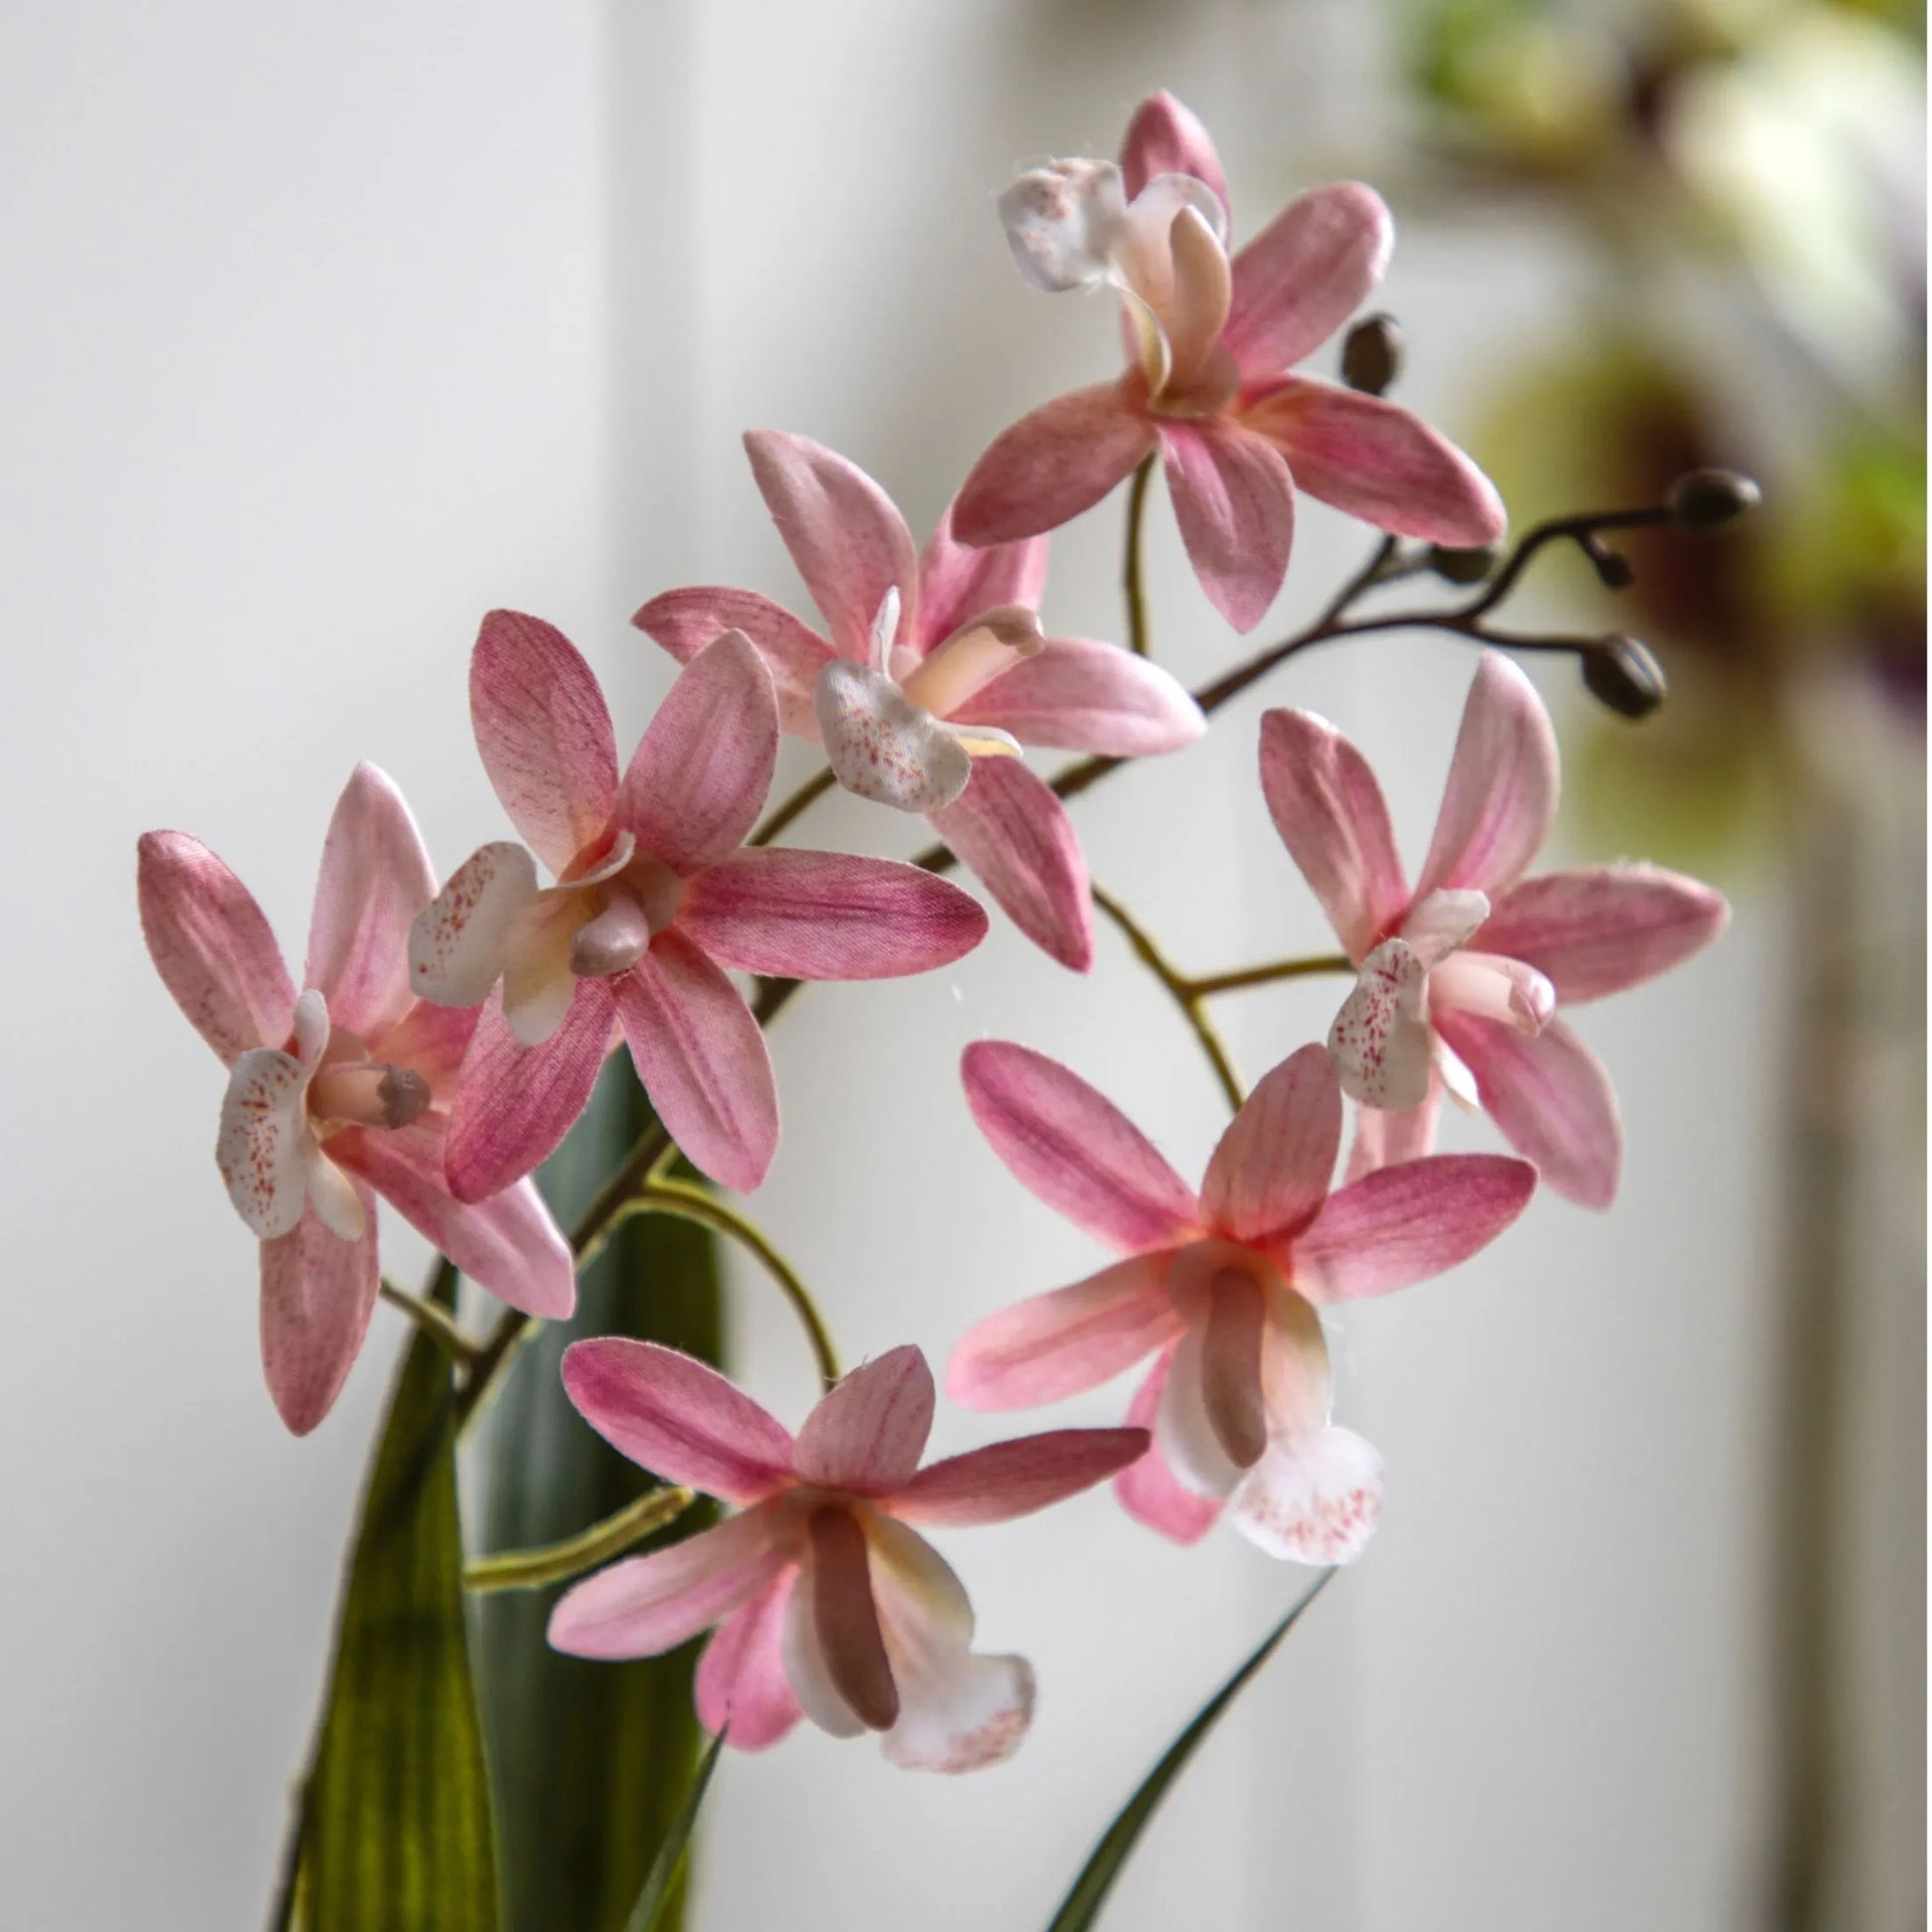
point(669, 1863)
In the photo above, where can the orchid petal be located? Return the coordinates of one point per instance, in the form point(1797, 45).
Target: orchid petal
point(850, 544)
point(741, 1678)
point(544, 732)
point(462, 942)
point(958, 1712)
point(1382, 1138)
point(1008, 1479)
point(507, 1244)
point(1409, 1223)
point(1234, 500)
point(1605, 929)
point(1010, 830)
point(1438, 924)
point(1075, 1150)
point(1305, 274)
point(958, 582)
point(263, 1146)
point(866, 1437)
point(883, 746)
point(1067, 1341)
point(1331, 816)
point(1495, 988)
point(1552, 1100)
point(646, 1606)
point(699, 775)
point(1075, 695)
point(844, 1642)
point(539, 966)
point(1165, 138)
point(514, 1103)
point(687, 621)
point(337, 1201)
point(212, 946)
point(1501, 793)
point(824, 915)
point(375, 877)
point(1380, 1042)
point(702, 1058)
point(678, 1418)
point(317, 1295)
point(1063, 222)
point(1373, 460)
point(807, 1669)
point(1313, 1500)
point(1052, 465)
point(1272, 1169)
point(1297, 1382)
point(429, 1041)
point(1149, 1490)
point(1184, 1422)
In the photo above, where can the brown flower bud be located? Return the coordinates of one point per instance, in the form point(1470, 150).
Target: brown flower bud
point(1371, 357)
point(1464, 566)
point(1708, 500)
point(1622, 673)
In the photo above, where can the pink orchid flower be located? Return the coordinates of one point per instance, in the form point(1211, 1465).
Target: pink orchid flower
point(1222, 1288)
point(934, 678)
point(1462, 978)
point(653, 902)
point(829, 1603)
point(338, 1095)
point(1212, 341)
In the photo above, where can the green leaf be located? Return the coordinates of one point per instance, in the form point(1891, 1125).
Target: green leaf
point(668, 1866)
point(590, 1761)
point(1080, 1910)
point(397, 1821)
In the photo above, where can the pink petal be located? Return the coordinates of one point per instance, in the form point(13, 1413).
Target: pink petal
point(678, 1418)
point(867, 1436)
point(702, 1059)
point(1009, 829)
point(1377, 462)
point(1331, 813)
point(544, 732)
point(958, 582)
point(1075, 1150)
point(835, 1650)
point(1066, 1341)
point(1552, 1100)
point(958, 1712)
point(1164, 138)
point(699, 775)
point(212, 948)
point(1501, 793)
point(1234, 501)
point(1272, 1169)
point(431, 1040)
point(317, 1291)
point(1305, 274)
point(1316, 1499)
point(507, 1244)
point(481, 923)
point(1008, 1479)
point(1603, 929)
point(686, 621)
point(1404, 1224)
point(375, 877)
point(850, 544)
point(646, 1606)
point(514, 1104)
point(1074, 695)
point(741, 1678)
point(1149, 1490)
point(1384, 1139)
point(1050, 466)
point(822, 915)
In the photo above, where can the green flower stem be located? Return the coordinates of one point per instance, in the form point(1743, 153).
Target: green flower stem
point(810, 791)
point(1183, 991)
point(436, 1322)
point(1130, 583)
point(1279, 969)
point(556, 1563)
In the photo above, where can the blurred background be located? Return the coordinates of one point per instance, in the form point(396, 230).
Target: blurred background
point(329, 332)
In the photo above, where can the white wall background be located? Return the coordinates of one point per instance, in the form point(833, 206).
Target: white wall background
point(329, 332)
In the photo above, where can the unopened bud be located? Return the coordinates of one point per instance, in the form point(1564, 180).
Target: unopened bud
point(1464, 566)
point(1371, 357)
point(1622, 673)
point(1612, 566)
point(1708, 500)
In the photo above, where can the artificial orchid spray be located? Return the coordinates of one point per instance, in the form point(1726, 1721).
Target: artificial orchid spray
point(443, 1039)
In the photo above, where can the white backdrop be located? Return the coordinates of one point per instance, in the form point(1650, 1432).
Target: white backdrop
point(329, 332)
